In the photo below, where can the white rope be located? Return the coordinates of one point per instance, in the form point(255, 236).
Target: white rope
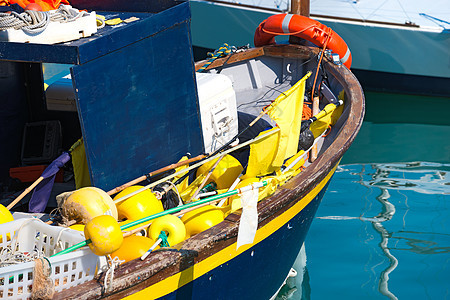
point(59, 244)
point(10, 257)
point(109, 276)
point(180, 201)
point(34, 22)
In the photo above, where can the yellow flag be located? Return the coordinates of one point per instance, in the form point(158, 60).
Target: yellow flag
point(262, 153)
point(286, 111)
point(80, 165)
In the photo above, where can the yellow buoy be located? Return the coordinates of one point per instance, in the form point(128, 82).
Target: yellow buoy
point(87, 203)
point(5, 215)
point(138, 206)
point(77, 227)
point(224, 174)
point(133, 247)
point(173, 226)
point(105, 235)
point(201, 219)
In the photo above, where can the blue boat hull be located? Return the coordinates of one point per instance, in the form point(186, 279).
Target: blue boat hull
point(256, 273)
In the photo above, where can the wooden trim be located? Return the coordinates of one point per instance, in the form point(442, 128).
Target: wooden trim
point(235, 57)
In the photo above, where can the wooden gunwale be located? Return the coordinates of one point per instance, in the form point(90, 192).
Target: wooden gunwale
point(134, 276)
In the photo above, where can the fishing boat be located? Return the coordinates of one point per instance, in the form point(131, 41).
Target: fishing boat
point(268, 170)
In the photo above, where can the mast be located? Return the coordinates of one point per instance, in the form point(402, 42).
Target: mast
point(299, 7)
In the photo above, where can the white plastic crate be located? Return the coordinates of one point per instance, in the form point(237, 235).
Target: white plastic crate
point(68, 270)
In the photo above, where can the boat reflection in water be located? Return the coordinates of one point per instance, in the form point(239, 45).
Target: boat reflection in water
point(411, 221)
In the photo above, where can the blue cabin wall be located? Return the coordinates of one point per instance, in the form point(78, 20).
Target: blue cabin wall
point(138, 104)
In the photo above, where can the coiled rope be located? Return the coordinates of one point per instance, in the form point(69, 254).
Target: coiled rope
point(34, 22)
point(224, 50)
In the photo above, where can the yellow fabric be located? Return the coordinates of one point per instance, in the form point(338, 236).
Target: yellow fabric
point(80, 165)
point(262, 153)
point(184, 184)
point(225, 173)
point(286, 110)
point(318, 127)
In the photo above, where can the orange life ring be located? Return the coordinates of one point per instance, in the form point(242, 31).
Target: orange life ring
point(305, 28)
point(45, 5)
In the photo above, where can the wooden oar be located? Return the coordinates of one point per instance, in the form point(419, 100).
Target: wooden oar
point(255, 185)
point(159, 171)
point(25, 192)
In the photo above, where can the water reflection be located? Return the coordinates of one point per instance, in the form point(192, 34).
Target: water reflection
point(423, 177)
point(411, 218)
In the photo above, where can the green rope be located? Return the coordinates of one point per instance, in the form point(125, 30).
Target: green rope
point(224, 50)
point(163, 237)
point(166, 212)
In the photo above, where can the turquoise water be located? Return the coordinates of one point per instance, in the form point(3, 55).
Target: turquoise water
point(382, 230)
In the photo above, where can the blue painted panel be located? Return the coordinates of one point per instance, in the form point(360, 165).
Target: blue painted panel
point(113, 38)
point(138, 107)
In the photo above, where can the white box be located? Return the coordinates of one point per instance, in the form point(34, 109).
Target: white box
point(60, 95)
point(218, 111)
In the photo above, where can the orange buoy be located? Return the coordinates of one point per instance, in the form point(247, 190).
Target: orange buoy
point(305, 28)
point(201, 219)
point(133, 247)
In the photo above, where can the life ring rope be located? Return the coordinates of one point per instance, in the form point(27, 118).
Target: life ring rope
point(305, 28)
point(289, 33)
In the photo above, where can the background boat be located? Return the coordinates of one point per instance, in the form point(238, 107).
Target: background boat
point(399, 46)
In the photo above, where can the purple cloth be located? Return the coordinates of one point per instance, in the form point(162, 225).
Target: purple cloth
point(39, 199)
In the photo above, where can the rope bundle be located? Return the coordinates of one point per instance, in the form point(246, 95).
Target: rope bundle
point(34, 22)
point(9, 257)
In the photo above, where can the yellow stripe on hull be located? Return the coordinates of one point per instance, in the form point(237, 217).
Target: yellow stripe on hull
point(178, 280)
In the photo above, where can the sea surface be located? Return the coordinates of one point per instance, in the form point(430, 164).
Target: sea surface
point(382, 230)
